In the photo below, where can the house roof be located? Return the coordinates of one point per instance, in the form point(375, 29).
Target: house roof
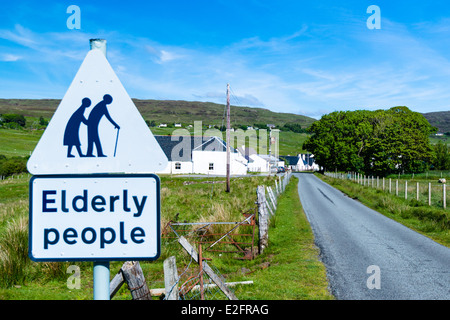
point(304, 159)
point(268, 157)
point(183, 144)
point(179, 148)
point(291, 160)
point(247, 152)
point(307, 159)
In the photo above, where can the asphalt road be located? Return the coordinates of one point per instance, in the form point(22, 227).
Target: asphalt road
point(369, 256)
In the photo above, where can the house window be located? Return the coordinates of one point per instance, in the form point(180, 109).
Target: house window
point(177, 166)
point(211, 166)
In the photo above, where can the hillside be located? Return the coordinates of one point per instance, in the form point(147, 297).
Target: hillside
point(440, 120)
point(169, 111)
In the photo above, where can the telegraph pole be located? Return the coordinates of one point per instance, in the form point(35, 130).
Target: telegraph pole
point(228, 138)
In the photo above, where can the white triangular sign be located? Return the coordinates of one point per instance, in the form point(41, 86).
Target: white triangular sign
point(96, 128)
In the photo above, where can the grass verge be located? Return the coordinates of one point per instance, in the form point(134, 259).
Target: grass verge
point(293, 270)
point(432, 222)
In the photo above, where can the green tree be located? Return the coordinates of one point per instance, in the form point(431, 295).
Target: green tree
point(339, 139)
point(14, 165)
point(374, 142)
point(294, 127)
point(441, 157)
point(13, 118)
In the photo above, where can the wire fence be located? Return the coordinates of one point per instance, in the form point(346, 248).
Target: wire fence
point(195, 284)
point(432, 192)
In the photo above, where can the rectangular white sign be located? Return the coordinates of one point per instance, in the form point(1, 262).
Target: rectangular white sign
point(94, 217)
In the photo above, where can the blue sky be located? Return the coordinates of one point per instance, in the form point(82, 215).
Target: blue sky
point(303, 57)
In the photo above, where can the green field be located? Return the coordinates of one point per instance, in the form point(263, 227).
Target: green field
point(18, 142)
point(22, 142)
point(170, 112)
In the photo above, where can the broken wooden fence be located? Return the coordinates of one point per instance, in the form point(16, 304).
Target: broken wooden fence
point(231, 241)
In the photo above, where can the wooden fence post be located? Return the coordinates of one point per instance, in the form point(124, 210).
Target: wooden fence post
point(134, 277)
point(429, 193)
point(171, 278)
point(262, 219)
point(115, 284)
point(272, 201)
point(272, 197)
point(132, 274)
point(444, 196)
point(417, 192)
point(406, 189)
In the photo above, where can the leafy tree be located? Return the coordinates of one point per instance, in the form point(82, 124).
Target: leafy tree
point(13, 118)
point(43, 121)
point(441, 157)
point(375, 142)
point(294, 127)
point(14, 165)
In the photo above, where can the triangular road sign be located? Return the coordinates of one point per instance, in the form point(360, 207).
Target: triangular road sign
point(96, 128)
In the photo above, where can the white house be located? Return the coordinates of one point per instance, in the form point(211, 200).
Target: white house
point(202, 155)
point(178, 151)
point(211, 158)
point(306, 163)
point(274, 161)
point(302, 162)
point(292, 162)
point(255, 162)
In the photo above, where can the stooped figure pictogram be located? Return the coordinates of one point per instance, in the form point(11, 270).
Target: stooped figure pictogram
point(71, 134)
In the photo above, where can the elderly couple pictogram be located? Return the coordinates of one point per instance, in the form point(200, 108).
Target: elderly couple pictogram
point(71, 134)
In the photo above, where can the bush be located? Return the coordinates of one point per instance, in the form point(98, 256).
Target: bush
point(14, 253)
point(13, 118)
point(14, 165)
point(294, 127)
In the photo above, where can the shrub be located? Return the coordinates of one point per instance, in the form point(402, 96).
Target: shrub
point(10, 166)
point(14, 253)
point(13, 118)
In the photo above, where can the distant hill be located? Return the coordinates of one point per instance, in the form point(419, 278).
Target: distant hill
point(440, 120)
point(169, 111)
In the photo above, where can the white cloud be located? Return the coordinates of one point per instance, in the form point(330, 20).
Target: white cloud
point(8, 57)
point(161, 56)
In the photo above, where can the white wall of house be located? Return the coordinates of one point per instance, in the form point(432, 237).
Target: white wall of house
point(181, 167)
point(305, 167)
point(177, 167)
point(258, 164)
point(215, 162)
